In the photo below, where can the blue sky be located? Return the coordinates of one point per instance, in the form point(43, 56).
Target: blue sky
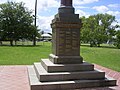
point(48, 8)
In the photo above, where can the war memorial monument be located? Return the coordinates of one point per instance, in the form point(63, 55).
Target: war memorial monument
point(65, 69)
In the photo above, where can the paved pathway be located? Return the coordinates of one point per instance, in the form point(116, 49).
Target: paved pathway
point(16, 78)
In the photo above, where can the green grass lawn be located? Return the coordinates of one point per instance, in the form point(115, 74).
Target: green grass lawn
point(107, 57)
point(18, 55)
point(22, 55)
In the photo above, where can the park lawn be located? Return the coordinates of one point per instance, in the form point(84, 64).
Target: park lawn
point(27, 55)
point(107, 57)
point(23, 55)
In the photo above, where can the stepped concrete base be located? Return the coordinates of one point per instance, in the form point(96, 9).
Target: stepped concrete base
point(65, 85)
point(43, 75)
point(51, 67)
point(49, 76)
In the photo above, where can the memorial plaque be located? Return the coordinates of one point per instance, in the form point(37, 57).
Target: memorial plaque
point(66, 42)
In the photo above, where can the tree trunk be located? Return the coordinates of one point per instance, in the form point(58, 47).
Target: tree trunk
point(22, 42)
point(91, 44)
point(11, 42)
point(98, 45)
point(0, 42)
point(15, 42)
point(34, 41)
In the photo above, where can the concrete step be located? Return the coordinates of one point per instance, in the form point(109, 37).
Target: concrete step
point(44, 76)
point(65, 85)
point(51, 67)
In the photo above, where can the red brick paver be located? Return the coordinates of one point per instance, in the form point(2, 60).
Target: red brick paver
point(111, 73)
point(16, 78)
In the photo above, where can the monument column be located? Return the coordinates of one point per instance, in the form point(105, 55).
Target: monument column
point(66, 35)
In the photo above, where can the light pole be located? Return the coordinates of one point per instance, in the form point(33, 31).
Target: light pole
point(34, 41)
point(35, 11)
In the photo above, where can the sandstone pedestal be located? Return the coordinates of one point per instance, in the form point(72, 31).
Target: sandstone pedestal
point(65, 68)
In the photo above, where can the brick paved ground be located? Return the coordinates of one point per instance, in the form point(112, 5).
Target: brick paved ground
point(16, 78)
point(111, 73)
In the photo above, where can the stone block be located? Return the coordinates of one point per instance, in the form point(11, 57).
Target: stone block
point(65, 59)
point(51, 67)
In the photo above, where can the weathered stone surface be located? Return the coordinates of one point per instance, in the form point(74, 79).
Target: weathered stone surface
point(65, 59)
point(66, 10)
point(66, 85)
point(66, 2)
point(51, 67)
point(66, 39)
point(65, 18)
point(66, 76)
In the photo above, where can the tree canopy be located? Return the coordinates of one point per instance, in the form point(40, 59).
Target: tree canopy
point(16, 22)
point(98, 29)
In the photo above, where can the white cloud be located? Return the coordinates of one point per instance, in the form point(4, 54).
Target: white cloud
point(118, 22)
point(44, 22)
point(114, 5)
point(42, 4)
point(101, 9)
point(79, 2)
point(2, 1)
point(46, 4)
point(104, 9)
point(114, 13)
point(81, 7)
point(82, 13)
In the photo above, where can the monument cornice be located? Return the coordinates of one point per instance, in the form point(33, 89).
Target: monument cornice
point(66, 25)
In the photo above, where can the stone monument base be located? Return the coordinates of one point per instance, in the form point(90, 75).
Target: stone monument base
point(65, 59)
point(46, 75)
point(65, 68)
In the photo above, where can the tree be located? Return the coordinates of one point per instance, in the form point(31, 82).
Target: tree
point(117, 37)
point(16, 21)
point(117, 40)
point(112, 33)
point(105, 23)
point(84, 34)
point(88, 30)
point(97, 29)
